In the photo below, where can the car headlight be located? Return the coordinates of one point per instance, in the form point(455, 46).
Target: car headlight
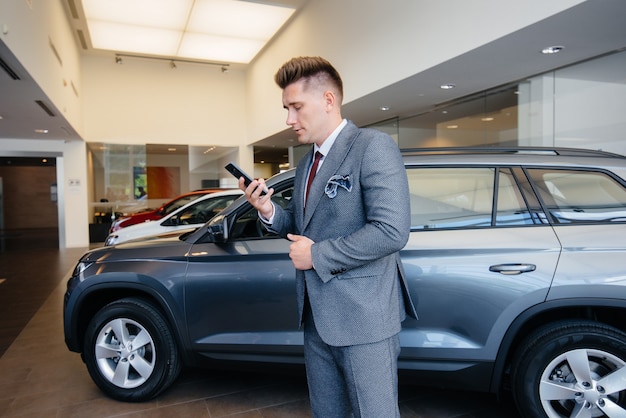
point(80, 268)
point(111, 240)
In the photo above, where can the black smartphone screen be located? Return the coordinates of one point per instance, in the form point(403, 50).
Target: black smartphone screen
point(233, 169)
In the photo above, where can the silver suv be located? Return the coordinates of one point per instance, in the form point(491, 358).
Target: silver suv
point(513, 260)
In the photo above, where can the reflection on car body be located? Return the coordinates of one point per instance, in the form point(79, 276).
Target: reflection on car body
point(509, 293)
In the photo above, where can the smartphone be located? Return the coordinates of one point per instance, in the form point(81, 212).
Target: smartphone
point(233, 169)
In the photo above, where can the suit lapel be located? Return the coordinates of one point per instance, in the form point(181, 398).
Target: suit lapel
point(337, 154)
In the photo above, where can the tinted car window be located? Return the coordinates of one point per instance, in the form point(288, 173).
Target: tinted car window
point(248, 224)
point(580, 196)
point(511, 208)
point(452, 197)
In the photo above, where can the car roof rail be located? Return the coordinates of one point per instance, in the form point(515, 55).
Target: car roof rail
point(564, 151)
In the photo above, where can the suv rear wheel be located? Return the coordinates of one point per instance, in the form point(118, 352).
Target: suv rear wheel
point(129, 350)
point(572, 368)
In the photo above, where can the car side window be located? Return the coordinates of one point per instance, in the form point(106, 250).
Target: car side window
point(510, 206)
point(248, 225)
point(577, 196)
point(459, 197)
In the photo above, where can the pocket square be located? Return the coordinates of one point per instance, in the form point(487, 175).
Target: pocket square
point(337, 181)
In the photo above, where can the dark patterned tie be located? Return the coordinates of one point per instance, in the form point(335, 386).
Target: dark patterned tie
point(312, 173)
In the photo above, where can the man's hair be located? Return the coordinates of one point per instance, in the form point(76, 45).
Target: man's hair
point(311, 69)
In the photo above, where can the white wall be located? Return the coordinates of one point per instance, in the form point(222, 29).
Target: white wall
point(145, 101)
point(73, 193)
point(30, 32)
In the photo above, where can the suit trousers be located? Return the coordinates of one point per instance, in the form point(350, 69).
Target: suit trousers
point(359, 381)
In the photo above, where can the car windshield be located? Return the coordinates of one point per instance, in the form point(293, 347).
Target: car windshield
point(179, 203)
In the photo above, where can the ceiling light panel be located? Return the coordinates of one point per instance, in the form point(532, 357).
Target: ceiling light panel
point(238, 19)
point(219, 48)
point(170, 14)
point(127, 38)
point(214, 30)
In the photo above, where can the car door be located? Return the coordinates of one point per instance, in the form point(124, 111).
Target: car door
point(477, 258)
point(240, 295)
point(588, 209)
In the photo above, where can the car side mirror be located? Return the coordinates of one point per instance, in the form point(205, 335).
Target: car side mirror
point(218, 229)
point(173, 221)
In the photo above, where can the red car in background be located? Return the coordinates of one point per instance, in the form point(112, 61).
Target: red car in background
point(165, 209)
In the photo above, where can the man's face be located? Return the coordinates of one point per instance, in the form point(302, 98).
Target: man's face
point(307, 112)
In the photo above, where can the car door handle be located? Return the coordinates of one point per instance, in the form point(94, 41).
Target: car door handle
point(512, 269)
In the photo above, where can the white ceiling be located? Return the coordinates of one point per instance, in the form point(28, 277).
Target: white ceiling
point(588, 30)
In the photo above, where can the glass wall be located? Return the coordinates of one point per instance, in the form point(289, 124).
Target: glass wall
point(589, 104)
point(580, 106)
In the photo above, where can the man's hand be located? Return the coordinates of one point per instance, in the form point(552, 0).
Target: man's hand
point(253, 195)
point(300, 251)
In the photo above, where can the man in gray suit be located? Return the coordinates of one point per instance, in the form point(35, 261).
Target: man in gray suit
point(346, 229)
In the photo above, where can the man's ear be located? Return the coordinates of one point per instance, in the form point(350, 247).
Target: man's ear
point(330, 98)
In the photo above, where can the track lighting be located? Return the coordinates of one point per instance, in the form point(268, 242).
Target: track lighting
point(172, 61)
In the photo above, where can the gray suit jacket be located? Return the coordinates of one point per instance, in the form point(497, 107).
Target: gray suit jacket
point(358, 214)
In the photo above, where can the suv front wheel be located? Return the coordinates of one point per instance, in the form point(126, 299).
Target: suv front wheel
point(571, 368)
point(129, 350)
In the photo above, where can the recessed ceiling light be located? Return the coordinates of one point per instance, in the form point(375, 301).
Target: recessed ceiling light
point(552, 49)
point(448, 86)
point(384, 108)
point(41, 131)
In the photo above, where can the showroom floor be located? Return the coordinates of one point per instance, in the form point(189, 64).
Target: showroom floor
point(40, 378)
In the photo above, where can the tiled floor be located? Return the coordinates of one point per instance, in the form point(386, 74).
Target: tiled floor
point(39, 377)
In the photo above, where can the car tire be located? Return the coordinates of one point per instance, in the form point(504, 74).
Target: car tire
point(123, 367)
point(564, 367)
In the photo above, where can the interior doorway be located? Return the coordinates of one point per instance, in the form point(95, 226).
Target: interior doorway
point(29, 195)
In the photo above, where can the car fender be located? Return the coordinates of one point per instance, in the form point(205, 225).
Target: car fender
point(89, 296)
point(604, 297)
